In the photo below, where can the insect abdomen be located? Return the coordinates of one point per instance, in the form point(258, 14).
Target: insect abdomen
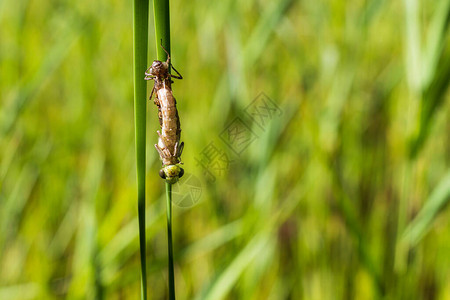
point(170, 126)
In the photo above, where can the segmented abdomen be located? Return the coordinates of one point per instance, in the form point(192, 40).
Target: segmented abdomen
point(170, 126)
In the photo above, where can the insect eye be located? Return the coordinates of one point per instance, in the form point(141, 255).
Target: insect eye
point(162, 174)
point(181, 173)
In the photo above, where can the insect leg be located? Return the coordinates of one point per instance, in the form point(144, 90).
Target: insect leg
point(160, 136)
point(151, 94)
point(165, 150)
point(161, 153)
point(147, 73)
point(168, 61)
point(174, 76)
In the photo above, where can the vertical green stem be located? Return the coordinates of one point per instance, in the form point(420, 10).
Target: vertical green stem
point(169, 240)
point(162, 27)
point(140, 48)
point(162, 34)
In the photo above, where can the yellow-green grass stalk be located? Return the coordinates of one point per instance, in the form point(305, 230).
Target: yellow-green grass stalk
point(162, 37)
point(140, 48)
point(162, 27)
point(169, 239)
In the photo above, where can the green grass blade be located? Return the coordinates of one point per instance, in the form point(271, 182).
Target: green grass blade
point(162, 27)
point(30, 86)
point(214, 240)
point(433, 98)
point(224, 282)
point(162, 34)
point(413, 45)
point(438, 199)
point(436, 36)
point(140, 48)
point(252, 52)
point(228, 278)
point(436, 73)
point(169, 240)
point(84, 283)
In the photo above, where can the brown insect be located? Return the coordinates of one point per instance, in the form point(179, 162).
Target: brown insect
point(169, 146)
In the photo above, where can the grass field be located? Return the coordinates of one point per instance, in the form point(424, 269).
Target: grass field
point(317, 151)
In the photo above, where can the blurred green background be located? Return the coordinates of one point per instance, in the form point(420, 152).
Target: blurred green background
point(340, 195)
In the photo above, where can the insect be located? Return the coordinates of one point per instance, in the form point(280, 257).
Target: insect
point(169, 146)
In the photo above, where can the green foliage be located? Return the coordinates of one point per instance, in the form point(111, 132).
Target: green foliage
point(342, 194)
point(437, 201)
